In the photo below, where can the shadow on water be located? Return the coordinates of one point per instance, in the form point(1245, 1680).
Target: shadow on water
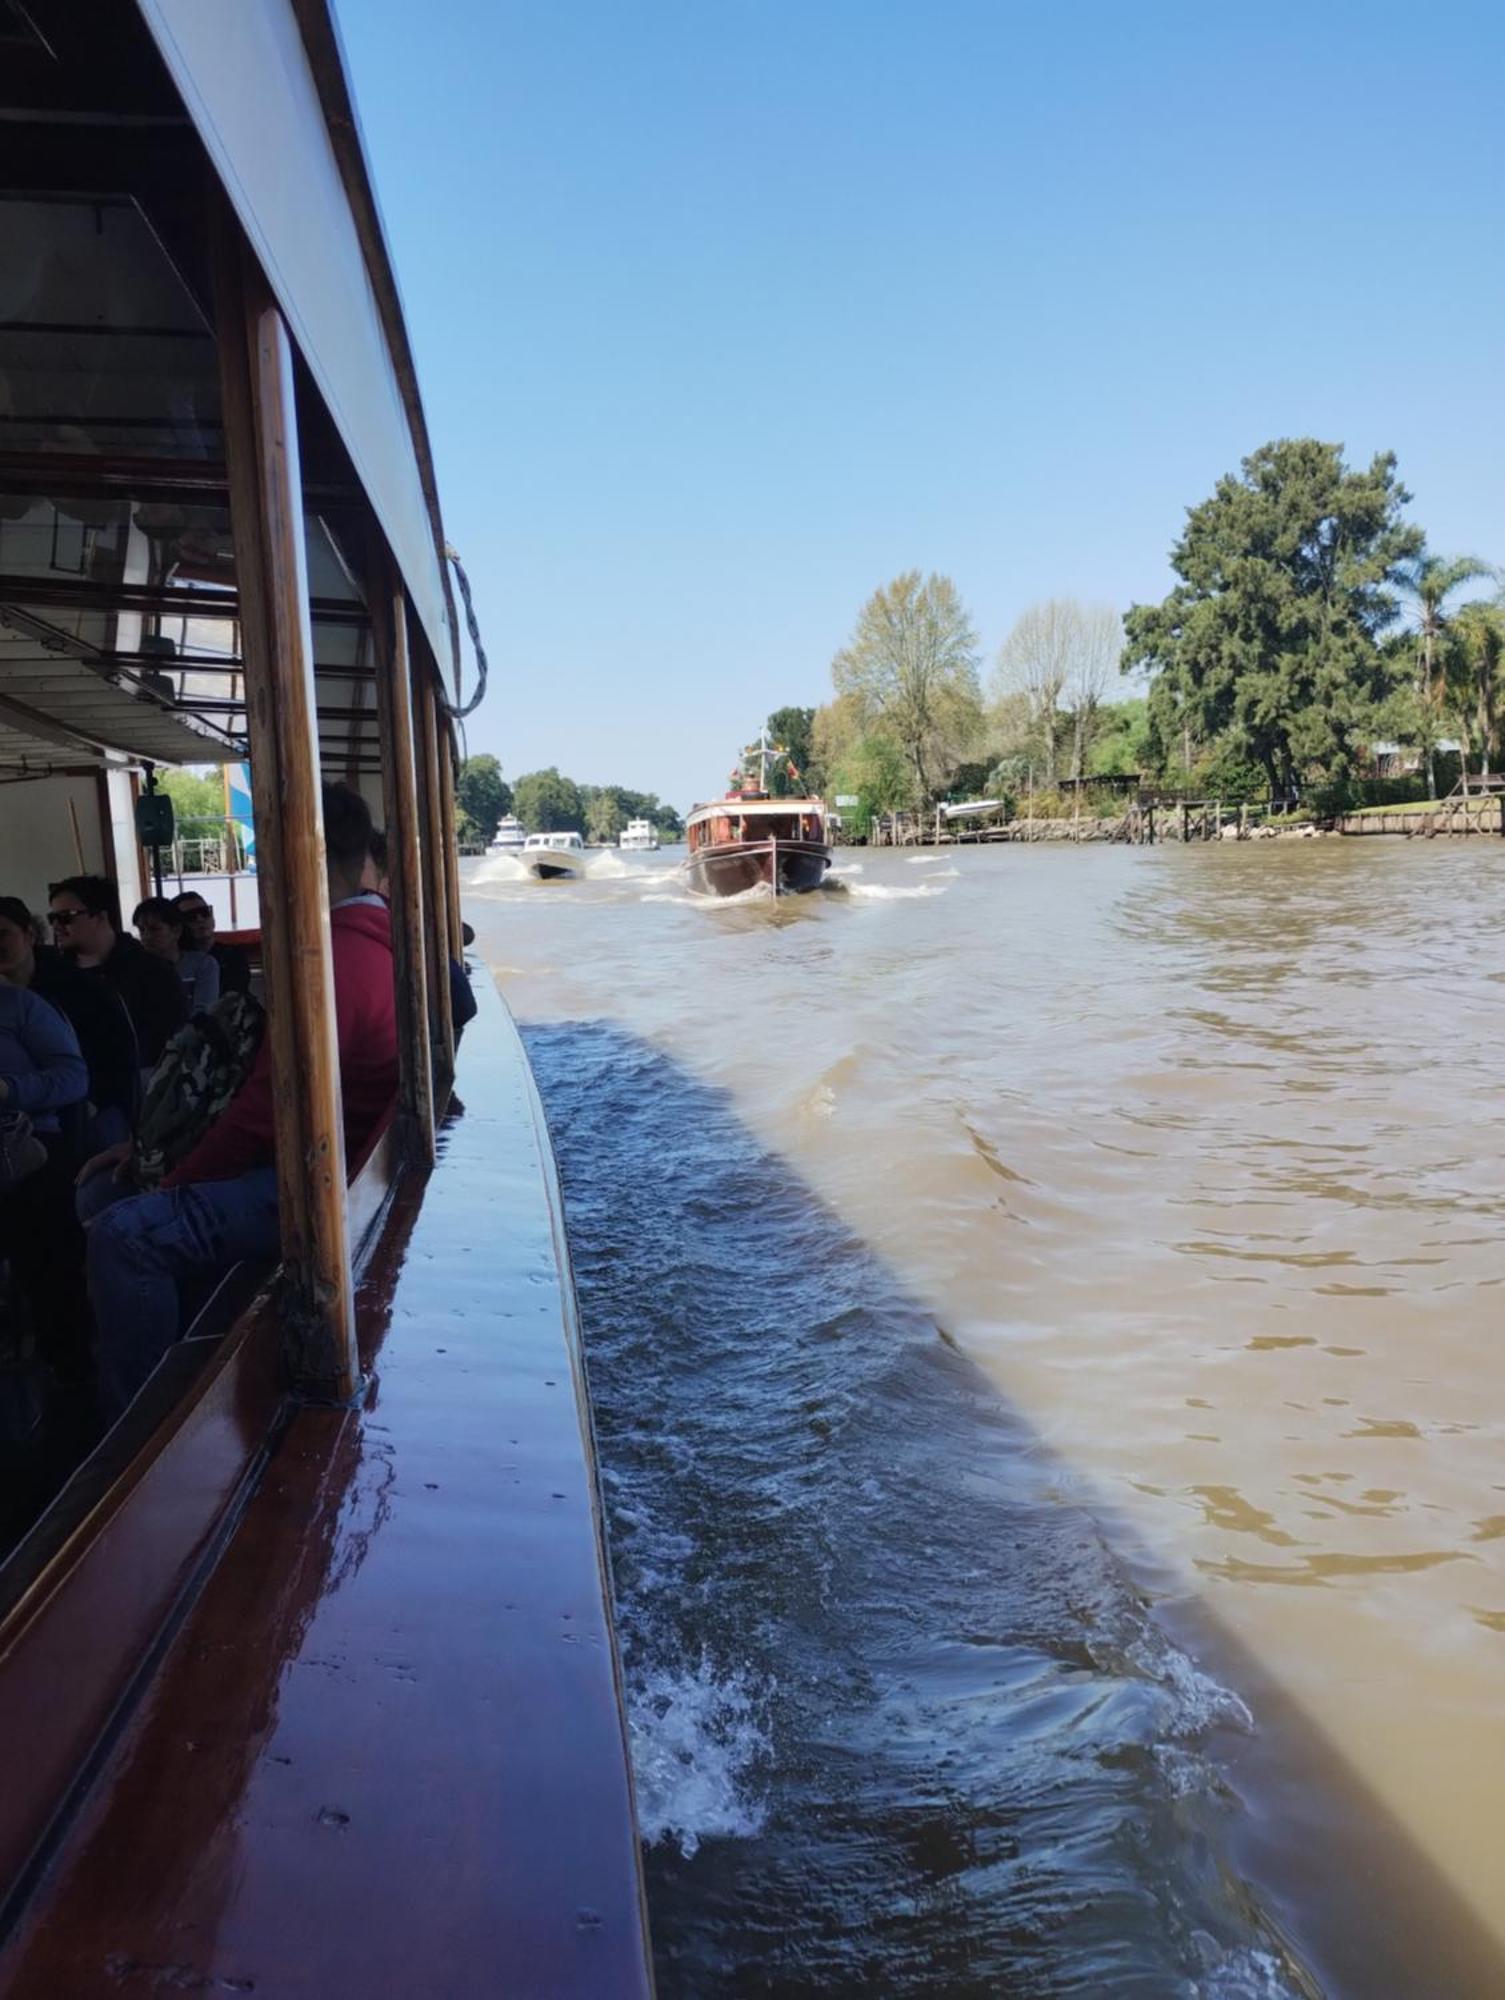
point(901, 1721)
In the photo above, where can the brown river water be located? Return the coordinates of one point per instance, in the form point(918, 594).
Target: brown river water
point(1196, 1154)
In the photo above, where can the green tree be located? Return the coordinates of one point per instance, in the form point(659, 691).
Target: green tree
point(1429, 581)
point(833, 731)
point(1122, 744)
point(792, 729)
point(875, 771)
point(1475, 672)
point(482, 795)
point(911, 666)
point(609, 819)
point(1060, 656)
point(547, 803)
point(605, 815)
point(198, 798)
point(1270, 642)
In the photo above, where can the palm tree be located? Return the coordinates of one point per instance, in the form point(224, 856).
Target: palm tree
point(1476, 664)
point(1429, 581)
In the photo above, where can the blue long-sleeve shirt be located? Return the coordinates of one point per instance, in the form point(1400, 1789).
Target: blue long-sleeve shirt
point(40, 1063)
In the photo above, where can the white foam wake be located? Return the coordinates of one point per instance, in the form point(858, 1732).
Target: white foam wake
point(497, 868)
point(890, 892)
point(697, 1741)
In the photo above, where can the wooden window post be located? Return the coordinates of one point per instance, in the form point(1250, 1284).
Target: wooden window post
point(394, 708)
point(451, 848)
point(435, 878)
point(266, 512)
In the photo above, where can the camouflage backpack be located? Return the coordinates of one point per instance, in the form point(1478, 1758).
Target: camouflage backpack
point(200, 1070)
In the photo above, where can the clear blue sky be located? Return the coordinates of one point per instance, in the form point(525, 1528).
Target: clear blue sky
point(727, 313)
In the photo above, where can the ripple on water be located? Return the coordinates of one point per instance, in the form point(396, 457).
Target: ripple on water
point(900, 1723)
point(1121, 1029)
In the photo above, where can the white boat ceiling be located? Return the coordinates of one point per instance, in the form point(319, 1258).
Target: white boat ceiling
point(59, 712)
point(247, 78)
point(119, 637)
point(119, 633)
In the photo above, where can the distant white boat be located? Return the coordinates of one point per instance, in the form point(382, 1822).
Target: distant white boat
point(553, 857)
point(639, 835)
point(509, 836)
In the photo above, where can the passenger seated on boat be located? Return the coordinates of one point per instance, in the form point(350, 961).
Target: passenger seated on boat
point(462, 1000)
point(198, 935)
point(85, 915)
point(97, 1015)
point(161, 925)
point(219, 1205)
point(42, 1075)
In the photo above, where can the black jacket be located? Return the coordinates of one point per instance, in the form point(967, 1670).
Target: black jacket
point(234, 968)
point(152, 992)
point(105, 1035)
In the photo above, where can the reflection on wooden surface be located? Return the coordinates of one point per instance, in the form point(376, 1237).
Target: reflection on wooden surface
point(384, 1753)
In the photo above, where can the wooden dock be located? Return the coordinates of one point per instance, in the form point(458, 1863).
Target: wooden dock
point(1451, 818)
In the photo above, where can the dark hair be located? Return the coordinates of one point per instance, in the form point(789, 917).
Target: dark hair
point(14, 911)
point(186, 896)
point(347, 828)
point(379, 847)
point(98, 894)
point(163, 909)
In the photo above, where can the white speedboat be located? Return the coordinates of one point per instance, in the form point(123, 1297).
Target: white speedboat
point(510, 835)
point(640, 836)
point(553, 857)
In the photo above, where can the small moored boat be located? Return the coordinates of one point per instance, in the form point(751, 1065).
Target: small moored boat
point(639, 836)
point(553, 857)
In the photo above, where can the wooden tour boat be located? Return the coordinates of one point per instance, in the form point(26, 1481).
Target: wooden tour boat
point(749, 840)
point(308, 1681)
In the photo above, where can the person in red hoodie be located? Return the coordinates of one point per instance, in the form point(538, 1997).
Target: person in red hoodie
point(219, 1204)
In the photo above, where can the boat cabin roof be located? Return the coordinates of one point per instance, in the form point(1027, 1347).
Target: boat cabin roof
point(120, 639)
point(755, 806)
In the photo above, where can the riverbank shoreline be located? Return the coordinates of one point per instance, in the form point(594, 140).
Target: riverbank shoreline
point(1169, 825)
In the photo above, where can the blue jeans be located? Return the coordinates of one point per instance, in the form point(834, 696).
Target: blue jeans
point(143, 1247)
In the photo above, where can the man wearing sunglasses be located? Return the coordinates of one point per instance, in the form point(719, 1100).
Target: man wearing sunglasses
point(84, 912)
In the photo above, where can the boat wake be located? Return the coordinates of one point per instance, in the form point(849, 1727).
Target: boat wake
point(900, 1722)
point(697, 1742)
point(894, 892)
point(497, 870)
point(609, 865)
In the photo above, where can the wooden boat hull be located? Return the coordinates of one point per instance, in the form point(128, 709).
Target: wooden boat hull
point(788, 867)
